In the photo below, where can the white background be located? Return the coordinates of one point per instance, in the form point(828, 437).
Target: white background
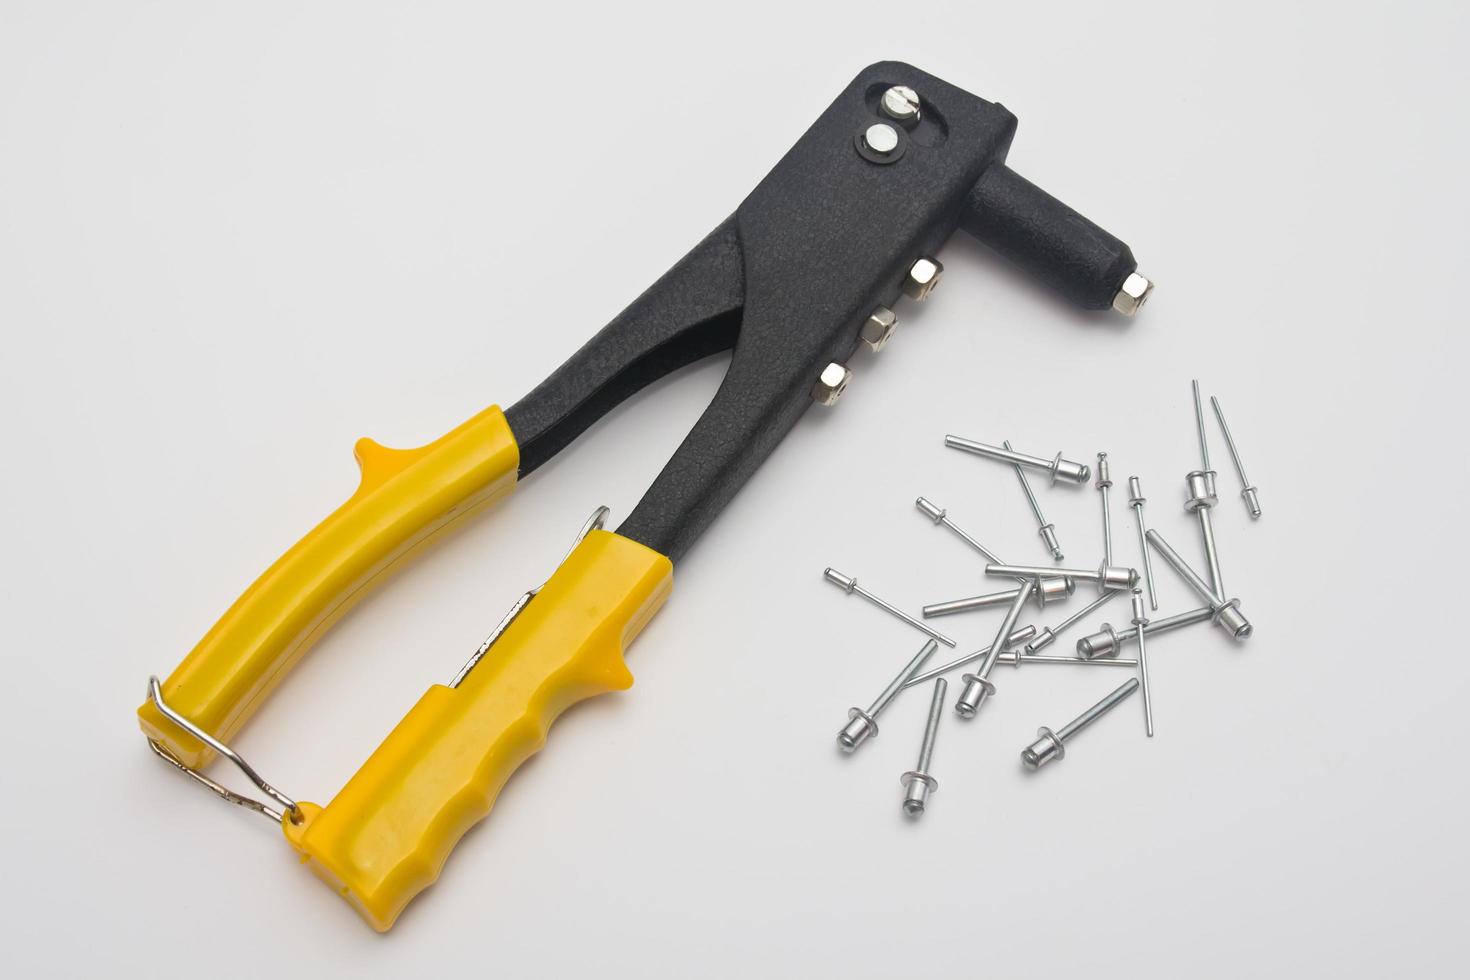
point(234, 238)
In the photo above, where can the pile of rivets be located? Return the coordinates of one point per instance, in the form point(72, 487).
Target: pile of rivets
point(1040, 586)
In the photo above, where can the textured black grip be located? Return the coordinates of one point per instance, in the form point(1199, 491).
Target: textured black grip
point(1046, 238)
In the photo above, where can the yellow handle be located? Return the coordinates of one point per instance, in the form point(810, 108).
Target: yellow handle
point(406, 496)
point(387, 834)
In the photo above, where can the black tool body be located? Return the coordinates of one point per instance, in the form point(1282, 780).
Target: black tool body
point(787, 281)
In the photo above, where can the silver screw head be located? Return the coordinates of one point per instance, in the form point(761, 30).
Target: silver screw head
point(1131, 296)
point(878, 328)
point(923, 276)
point(881, 138)
point(902, 103)
point(831, 384)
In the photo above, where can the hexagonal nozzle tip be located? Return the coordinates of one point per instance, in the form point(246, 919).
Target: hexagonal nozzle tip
point(1131, 296)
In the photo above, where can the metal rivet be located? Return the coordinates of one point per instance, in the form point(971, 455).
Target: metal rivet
point(881, 138)
point(849, 585)
point(1104, 481)
point(1049, 745)
point(977, 685)
point(1136, 501)
point(1107, 641)
point(1052, 589)
point(1059, 468)
point(1106, 576)
point(1201, 486)
point(1225, 614)
point(1252, 499)
point(918, 780)
point(1049, 634)
point(863, 725)
point(1140, 622)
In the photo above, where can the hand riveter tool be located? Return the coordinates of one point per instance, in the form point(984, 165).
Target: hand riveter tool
point(809, 266)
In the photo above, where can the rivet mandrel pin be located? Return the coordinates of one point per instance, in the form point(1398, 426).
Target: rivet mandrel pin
point(1104, 481)
point(940, 516)
point(1051, 745)
point(1224, 614)
point(1016, 638)
point(1015, 659)
point(1139, 622)
point(1106, 642)
point(863, 725)
point(917, 781)
point(1051, 589)
point(1106, 576)
point(849, 585)
point(1044, 527)
point(1252, 499)
point(1200, 488)
point(1136, 500)
point(1201, 498)
point(1058, 468)
point(1049, 634)
point(977, 685)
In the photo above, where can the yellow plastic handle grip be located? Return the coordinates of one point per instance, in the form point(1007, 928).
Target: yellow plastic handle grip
point(405, 498)
point(387, 834)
